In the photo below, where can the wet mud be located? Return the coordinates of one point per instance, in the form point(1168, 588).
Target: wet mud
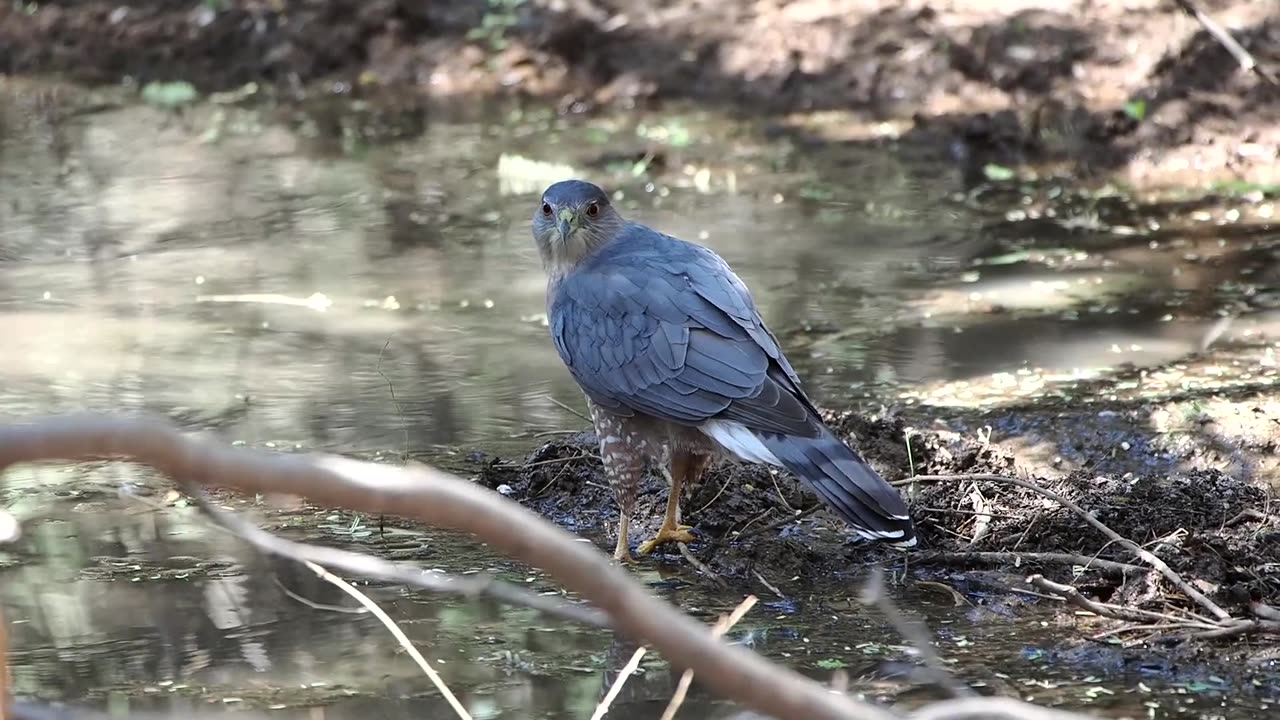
point(1211, 526)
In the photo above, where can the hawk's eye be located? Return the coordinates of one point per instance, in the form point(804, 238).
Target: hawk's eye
point(546, 209)
point(593, 210)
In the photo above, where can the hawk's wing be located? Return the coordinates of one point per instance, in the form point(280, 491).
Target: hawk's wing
point(651, 324)
point(666, 328)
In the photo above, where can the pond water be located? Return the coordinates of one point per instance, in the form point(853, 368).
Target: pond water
point(288, 289)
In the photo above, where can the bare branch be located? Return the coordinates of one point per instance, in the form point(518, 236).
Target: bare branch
point(1116, 612)
point(1034, 558)
point(448, 502)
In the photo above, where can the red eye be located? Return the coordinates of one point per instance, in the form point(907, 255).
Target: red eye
point(593, 210)
point(546, 209)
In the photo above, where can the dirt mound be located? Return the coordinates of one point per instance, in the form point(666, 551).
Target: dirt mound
point(1211, 527)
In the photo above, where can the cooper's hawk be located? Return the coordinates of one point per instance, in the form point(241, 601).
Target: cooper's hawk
point(677, 365)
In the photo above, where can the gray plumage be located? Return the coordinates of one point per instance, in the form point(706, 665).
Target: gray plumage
point(662, 333)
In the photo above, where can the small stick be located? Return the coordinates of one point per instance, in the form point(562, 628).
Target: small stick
point(722, 626)
point(779, 523)
point(568, 409)
point(701, 566)
point(618, 682)
point(1219, 33)
point(396, 632)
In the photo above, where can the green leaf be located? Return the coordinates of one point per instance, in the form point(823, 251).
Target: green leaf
point(831, 664)
point(169, 94)
point(997, 173)
point(1136, 109)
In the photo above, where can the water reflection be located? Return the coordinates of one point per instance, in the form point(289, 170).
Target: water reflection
point(245, 285)
point(390, 300)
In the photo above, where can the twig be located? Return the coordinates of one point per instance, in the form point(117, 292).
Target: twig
point(1017, 558)
point(568, 409)
point(1219, 33)
point(445, 501)
point(797, 517)
point(1146, 555)
point(404, 424)
point(873, 594)
point(722, 626)
point(396, 632)
point(315, 605)
point(377, 568)
point(618, 682)
point(701, 566)
point(1116, 612)
point(771, 587)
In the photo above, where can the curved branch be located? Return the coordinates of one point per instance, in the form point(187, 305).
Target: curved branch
point(447, 502)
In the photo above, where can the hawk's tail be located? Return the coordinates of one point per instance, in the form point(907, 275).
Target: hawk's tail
point(844, 481)
point(847, 484)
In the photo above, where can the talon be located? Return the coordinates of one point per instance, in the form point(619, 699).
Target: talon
point(678, 534)
point(624, 558)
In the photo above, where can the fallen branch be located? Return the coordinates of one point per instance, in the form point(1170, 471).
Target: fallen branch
point(396, 632)
point(1073, 595)
point(1146, 555)
point(1032, 558)
point(449, 502)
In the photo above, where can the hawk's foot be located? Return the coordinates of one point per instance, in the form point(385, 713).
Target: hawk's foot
point(677, 534)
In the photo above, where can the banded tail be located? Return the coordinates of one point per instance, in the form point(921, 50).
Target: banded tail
point(841, 479)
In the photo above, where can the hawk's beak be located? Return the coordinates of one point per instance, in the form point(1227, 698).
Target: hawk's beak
point(566, 223)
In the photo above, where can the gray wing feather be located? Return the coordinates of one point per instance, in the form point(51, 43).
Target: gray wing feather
point(666, 328)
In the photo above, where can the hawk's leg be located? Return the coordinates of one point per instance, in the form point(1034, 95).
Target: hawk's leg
point(686, 467)
point(622, 453)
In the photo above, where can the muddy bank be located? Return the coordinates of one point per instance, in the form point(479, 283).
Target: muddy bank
point(967, 82)
point(1210, 526)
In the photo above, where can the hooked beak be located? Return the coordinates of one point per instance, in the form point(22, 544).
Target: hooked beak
point(566, 223)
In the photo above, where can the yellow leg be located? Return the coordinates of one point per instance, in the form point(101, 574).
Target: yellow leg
point(672, 530)
point(622, 551)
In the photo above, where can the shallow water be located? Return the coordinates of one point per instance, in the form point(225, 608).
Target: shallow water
point(238, 275)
